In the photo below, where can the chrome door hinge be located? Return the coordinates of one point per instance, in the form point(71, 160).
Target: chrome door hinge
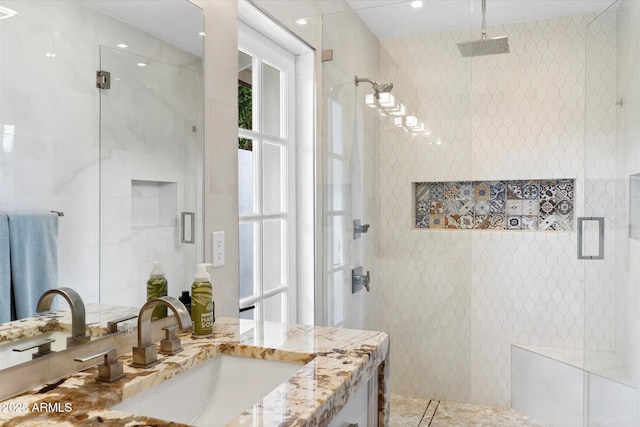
point(103, 79)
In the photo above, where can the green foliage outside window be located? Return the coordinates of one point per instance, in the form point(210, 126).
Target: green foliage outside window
point(245, 118)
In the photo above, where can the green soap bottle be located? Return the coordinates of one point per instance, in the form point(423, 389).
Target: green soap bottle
point(202, 312)
point(157, 287)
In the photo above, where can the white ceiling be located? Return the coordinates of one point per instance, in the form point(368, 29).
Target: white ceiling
point(396, 18)
point(175, 21)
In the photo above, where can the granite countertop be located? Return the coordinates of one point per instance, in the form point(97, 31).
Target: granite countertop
point(96, 318)
point(335, 362)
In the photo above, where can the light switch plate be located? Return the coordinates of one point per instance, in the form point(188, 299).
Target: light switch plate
point(217, 248)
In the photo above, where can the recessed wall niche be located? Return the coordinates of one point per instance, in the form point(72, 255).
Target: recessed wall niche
point(545, 204)
point(153, 204)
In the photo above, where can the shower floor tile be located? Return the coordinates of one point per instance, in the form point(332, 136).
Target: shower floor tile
point(409, 411)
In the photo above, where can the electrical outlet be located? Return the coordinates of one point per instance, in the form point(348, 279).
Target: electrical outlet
point(217, 248)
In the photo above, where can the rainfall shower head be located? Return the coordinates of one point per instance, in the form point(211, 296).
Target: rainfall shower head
point(377, 87)
point(485, 45)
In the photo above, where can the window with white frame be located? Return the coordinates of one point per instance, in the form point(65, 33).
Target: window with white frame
point(266, 179)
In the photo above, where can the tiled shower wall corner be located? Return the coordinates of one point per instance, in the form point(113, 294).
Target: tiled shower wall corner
point(545, 204)
point(454, 302)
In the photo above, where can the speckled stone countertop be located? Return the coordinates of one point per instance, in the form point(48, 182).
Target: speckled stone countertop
point(335, 362)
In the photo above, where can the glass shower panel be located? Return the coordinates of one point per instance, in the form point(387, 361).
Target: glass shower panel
point(611, 354)
point(150, 180)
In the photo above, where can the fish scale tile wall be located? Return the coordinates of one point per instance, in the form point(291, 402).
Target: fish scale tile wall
point(545, 204)
point(455, 301)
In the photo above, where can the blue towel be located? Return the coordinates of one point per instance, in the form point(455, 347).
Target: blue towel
point(5, 271)
point(33, 240)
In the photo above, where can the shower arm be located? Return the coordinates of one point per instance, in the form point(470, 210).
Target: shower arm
point(359, 80)
point(484, 20)
point(377, 87)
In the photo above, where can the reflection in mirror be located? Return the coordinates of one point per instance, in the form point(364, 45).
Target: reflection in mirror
point(126, 157)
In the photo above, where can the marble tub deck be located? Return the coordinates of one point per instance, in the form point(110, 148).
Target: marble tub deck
point(409, 411)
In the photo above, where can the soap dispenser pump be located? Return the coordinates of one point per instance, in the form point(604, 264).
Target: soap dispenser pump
point(202, 305)
point(156, 288)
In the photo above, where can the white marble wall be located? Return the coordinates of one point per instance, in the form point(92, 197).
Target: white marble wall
point(50, 119)
point(52, 105)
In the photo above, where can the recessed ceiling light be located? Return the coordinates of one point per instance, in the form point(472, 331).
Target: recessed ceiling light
point(202, 33)
point(302, 21)
point(141, 64)
point(122, 46)
point(416, 4)
point(50, 55)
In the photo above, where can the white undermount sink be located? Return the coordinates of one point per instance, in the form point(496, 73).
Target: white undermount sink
point(212, 393)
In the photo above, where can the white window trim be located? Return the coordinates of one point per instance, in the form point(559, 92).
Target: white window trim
point(304, 257)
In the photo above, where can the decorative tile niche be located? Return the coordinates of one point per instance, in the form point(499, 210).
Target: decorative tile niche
point(545, 204)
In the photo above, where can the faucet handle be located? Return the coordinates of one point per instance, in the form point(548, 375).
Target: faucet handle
point(44, 347)
point(109, 371)
point(171, 344)
point(112, 325)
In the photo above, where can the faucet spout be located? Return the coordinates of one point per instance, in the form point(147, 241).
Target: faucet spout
point(145, 354)
point(78, 319)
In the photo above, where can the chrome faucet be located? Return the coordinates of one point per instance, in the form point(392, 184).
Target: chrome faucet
point(78, 320)
point(145, 354)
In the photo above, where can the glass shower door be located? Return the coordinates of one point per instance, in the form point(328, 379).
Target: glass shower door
point(150, 178)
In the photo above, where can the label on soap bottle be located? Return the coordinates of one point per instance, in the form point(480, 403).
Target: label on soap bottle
point(202, 309)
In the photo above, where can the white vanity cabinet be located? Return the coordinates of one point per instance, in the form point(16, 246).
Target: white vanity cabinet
point(362, 408)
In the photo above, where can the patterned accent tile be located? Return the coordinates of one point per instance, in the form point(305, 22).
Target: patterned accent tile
point(531, 190)
point(514, 222)
point(514, 190)
point(466, 222)
point(565, 189)
point(545, 204)
point(481, 222)
point(483, 207)
point(564, 207)
point(514, 207)
point(452, 222)
point(437, 221)
point(497, 206)
point(436, 191)
point(548, 190)
point(563, 223)
point(546, 222)
point(547, 207)
point(482, 191)
point(498, 190)
point(436, 208)
point(530, 222)
point(530, 207)
point(497, 222)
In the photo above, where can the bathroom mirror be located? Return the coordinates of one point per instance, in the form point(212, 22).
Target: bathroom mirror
point(122, 163)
